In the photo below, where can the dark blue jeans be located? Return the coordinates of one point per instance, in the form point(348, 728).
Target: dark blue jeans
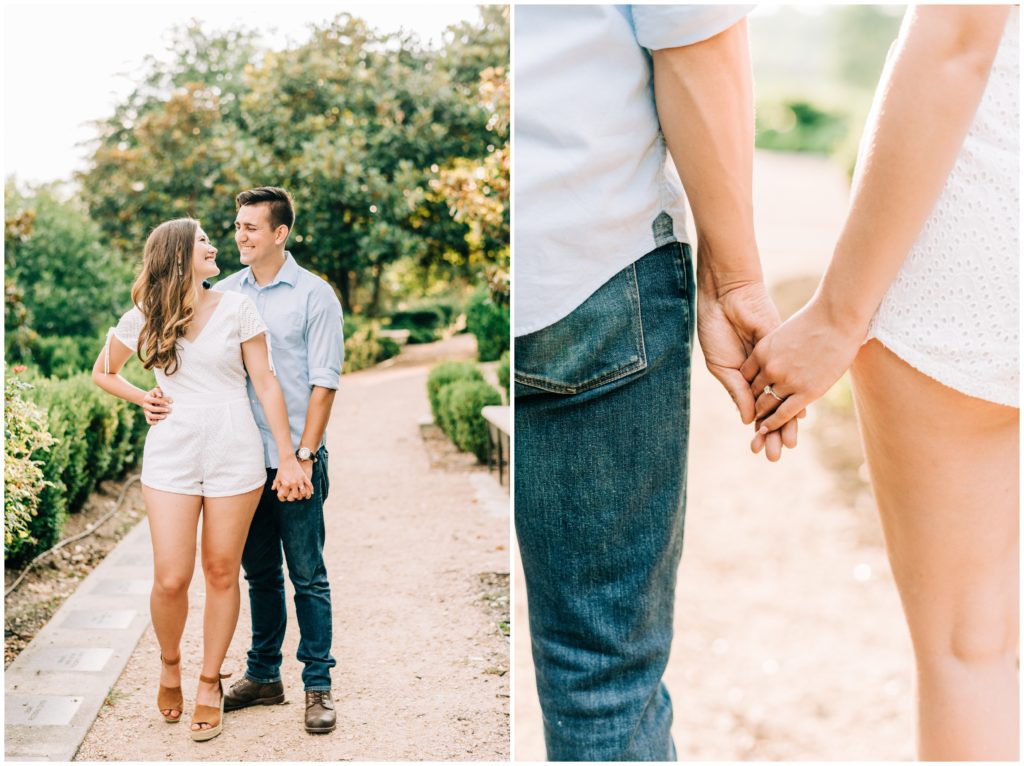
point(296, 530)
point(602, 417)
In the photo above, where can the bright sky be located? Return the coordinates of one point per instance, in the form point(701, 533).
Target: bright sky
point(64, 63)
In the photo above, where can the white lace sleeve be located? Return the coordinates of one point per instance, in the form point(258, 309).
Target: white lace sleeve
point(251, 324)
point(127, 331)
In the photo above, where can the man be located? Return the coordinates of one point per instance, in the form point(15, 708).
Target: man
point(307, 347)
point(605, 291)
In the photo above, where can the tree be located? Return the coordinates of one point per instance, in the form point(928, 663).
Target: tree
point(61, 277)
point(356, 124)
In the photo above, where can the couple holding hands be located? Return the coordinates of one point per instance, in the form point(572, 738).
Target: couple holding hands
point(919, 301)
point(246, 375)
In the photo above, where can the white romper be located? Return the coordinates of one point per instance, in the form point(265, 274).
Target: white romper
point(953, 311)
point(209, 444)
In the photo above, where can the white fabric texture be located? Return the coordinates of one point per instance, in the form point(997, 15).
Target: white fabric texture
point(209, 444)
point(953, 311)
point(592, 173)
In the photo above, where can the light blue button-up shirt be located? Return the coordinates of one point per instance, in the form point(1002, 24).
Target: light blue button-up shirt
point(590, 163)
point(304, 318)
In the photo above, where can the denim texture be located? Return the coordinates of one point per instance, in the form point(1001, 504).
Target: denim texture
point(601, 424)
point(291, 532)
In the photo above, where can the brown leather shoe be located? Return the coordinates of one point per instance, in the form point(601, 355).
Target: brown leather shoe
point(320, 715)
point(246, 692)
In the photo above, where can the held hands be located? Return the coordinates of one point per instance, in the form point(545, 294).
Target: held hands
point(730, 322)
point(156, 406)
point(800, 361)
point(293, 480)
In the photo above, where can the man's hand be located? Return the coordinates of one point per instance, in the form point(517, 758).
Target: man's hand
point(156, 405)
point(292, 482)
point(730, 322)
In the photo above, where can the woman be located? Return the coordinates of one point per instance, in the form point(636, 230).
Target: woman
point(922, 297)
point(206, 455)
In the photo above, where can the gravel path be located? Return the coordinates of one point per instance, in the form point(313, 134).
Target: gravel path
point(418, 557)
point(790, 643)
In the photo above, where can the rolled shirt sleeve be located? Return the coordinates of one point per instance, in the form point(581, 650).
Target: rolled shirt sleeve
point(672, 26)
point(325, 341)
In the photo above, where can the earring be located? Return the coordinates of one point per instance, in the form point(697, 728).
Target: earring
point(181, 270)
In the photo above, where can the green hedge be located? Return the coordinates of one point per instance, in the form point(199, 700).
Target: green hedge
point(489, 322)
point(457, 392)
point(462, 401)
point(25, 439)
point(57, 356)
point(96, 437)
point(504, 375)
point(365, 348)
point(422, 323)
point(443, 374)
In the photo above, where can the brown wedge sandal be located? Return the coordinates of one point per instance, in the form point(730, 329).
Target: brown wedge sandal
point(211, 716)
point(169, 697)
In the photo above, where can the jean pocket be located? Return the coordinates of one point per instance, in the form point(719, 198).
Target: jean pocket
point(600, 342)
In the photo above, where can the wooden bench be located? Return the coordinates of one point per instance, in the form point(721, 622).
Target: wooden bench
point(498, 426)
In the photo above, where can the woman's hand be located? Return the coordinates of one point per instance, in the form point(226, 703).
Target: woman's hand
point(156, 406)
point(291, 482)
point(800, 361)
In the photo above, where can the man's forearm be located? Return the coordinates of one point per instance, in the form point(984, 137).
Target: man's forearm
point(704, 95)
point(317, 415)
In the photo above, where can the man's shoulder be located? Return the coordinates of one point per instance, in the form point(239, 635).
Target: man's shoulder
point(231, 283)
point(317, 286)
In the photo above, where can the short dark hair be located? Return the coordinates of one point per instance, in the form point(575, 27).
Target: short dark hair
point(282, 207)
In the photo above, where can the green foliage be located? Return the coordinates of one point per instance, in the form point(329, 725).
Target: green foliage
point(489, 322)
point(863, 35)
point(59, 356)
point(421, 323)
point(460, 403)
point(25, 439)
point(62, 272)
point(356, 123)
point(365, 348)
point(443, 374)
point(504, 375)
point(799, 126)
point(96, 437)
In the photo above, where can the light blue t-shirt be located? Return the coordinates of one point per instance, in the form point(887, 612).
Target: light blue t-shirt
point(590, 163)
point(306, 342)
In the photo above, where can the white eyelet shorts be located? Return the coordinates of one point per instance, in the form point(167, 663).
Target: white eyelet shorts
point(210, 447)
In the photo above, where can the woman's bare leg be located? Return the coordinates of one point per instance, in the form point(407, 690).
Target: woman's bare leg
point(225, 526)
point(172, 528)
point(944, 467)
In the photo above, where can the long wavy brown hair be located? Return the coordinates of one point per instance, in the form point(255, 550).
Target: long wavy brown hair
point(165, 292)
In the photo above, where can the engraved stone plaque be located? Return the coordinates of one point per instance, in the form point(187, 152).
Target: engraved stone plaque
point(41, 711)
point(123, 587)
point(61, 659)
point(99, 619)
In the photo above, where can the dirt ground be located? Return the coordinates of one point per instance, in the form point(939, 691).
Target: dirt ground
point(419, 575)
point(790, 643)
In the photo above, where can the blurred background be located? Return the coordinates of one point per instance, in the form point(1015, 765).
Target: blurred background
point(388, 124)
point(790, 643)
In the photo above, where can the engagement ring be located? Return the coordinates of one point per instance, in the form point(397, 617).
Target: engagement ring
point(768, 390)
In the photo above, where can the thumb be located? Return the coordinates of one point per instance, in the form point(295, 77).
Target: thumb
point(738, 389)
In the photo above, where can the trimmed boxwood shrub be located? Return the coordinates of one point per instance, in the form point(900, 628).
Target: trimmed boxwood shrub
point(96, 437)
point(489, 322)
point(461, 402)
point(365, 348)
point(25, 438)
point(504, 375)
point(443, 374)
point(422, 323)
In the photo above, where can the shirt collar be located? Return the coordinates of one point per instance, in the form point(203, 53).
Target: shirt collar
point(288, 273)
